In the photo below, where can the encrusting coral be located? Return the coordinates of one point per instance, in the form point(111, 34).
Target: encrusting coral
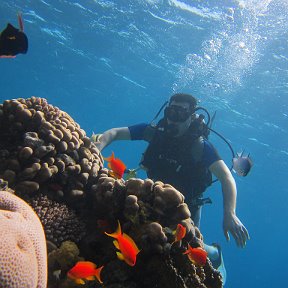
point(60, 222)
point(47, 159)
point(23, 256)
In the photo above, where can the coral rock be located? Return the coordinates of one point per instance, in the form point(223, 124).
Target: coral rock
point(27, 187)
point(65, 256)
point(166, 197)
point(35, 132)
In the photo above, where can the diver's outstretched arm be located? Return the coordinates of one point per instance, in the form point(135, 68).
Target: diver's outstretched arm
point(231, 223)
point(111, 135)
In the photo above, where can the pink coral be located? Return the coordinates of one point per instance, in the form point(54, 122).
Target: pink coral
point(23, 255)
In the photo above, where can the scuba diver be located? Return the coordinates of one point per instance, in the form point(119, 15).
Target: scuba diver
point(180, 154)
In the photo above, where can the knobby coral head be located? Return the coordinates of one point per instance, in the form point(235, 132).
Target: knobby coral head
point(23, 255)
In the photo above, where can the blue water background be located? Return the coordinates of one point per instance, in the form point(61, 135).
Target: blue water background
point(114, 63)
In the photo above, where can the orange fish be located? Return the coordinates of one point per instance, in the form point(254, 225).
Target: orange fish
point(84, 270)
point(197, 256)
point(116, 165)
point(126, 245)
point(179, 233)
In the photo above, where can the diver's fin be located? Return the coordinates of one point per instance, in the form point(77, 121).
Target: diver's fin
point(20, 21)
point(13, 41)
point(7, 56)
point(219, 263)
point(10, 30)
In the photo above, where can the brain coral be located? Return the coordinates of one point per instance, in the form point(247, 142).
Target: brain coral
point(23, 256)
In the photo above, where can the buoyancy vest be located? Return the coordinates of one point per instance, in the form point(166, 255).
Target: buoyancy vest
point(177, 160)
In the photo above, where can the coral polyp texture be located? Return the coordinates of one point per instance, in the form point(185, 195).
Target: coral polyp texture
point(43, 148)
point(47, 159)
point(23, 256)
point(60, 222)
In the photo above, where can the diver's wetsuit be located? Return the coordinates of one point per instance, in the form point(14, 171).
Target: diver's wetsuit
point(180, 161)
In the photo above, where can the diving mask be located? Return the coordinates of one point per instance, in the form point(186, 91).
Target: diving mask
point(176, 113)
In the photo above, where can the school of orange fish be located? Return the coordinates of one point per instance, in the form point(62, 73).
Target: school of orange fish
point(127, 249)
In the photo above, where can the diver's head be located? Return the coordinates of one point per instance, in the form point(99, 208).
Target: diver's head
point(184, 98)
point(178, 114)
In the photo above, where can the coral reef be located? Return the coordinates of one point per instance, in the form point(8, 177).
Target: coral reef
point(62, 258)
point(23, 256)
point(149, 212)
point(60, 222)
point(46, 158)
point(43, 149)
point(44, 152)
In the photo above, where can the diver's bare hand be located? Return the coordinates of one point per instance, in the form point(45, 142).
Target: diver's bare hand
point(239, 232)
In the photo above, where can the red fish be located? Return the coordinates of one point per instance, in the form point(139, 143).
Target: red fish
point(179, 233)
point(197, 256)
point(84, 270)
point(126, 245)
point(116, 165)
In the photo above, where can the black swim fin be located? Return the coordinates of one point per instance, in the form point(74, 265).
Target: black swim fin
point(13, 41)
